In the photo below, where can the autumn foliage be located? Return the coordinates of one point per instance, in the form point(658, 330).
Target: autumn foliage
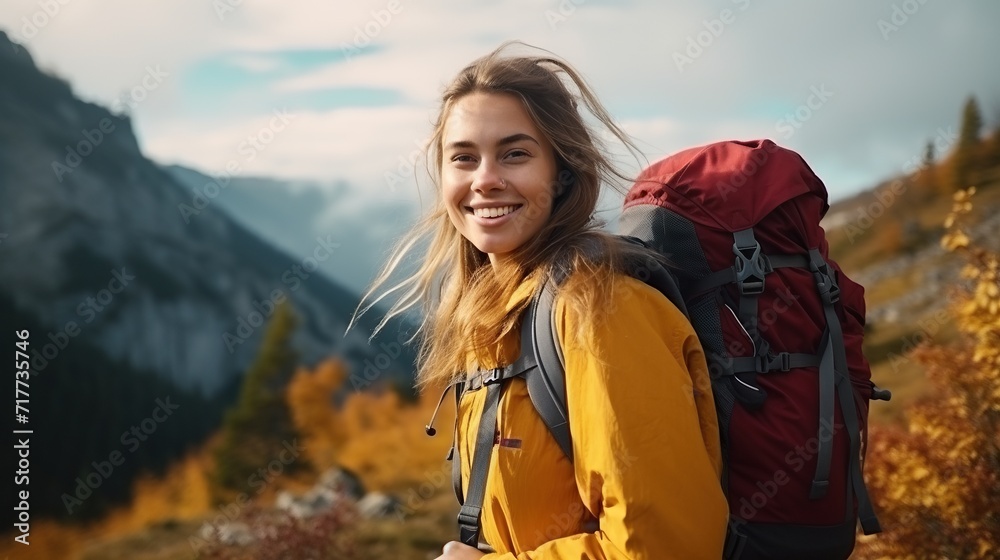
point(936, 481)
point(376, 434)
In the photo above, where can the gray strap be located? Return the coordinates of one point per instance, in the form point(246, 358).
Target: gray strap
point(728, 275)
point(866, 513)
point(453, 454)
point(469, 516)
point(830, 292)
point(783, 361)
point(750, 283)
point(547, 382)
point(827, 380)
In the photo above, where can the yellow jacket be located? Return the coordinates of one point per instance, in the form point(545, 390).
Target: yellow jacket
point(646, 444)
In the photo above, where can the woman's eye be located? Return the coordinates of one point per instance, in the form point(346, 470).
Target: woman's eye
point(517, 154)
point(462, 158)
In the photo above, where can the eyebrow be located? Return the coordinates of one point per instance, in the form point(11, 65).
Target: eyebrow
point(506, 140)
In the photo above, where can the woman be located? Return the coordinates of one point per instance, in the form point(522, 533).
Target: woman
point(519, 174)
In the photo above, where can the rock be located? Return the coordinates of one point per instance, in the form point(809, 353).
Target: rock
point(284, 500)
point(343, 482)
point(378, 505)
point(230, 533)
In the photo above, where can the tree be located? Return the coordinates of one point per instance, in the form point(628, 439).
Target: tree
point(258, 431)
point(927, 176)
point(967, 151)
point(936, 482)
point(310, 397)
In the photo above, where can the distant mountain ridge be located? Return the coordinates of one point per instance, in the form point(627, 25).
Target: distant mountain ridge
point(294, 215)
point(80, 204)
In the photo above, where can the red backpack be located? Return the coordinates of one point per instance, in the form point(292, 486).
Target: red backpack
point(782, 328)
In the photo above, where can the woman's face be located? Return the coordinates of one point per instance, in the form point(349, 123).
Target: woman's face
point(498, 172)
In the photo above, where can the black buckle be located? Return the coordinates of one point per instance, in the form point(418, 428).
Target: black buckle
point(826, 283)
point(781, 361)
point(494, 376)
point(750, 268)
point(469, 516)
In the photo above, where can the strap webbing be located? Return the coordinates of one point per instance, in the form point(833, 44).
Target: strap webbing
point(469, 516)
point(728, 275)
point(866, 513)
point(547, 382)
point(782, 361)
point(830, 292)
point(827, 380)
point(453, 454)
point(750, 284)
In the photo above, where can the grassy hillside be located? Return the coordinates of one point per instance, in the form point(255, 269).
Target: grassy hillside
point(888, 239)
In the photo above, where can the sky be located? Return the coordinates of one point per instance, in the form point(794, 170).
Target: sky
point(345, 92)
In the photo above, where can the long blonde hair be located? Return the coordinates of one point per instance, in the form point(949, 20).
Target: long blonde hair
point(463, 297)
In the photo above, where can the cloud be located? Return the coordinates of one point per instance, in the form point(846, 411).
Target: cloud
point(749, 68)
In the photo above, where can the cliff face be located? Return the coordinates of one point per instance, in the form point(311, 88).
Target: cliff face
point(94, 244)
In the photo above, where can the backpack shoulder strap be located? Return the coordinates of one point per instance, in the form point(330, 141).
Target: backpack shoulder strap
point(547, 382)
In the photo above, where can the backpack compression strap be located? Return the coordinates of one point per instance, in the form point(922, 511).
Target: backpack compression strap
point(470, 516)
point(830, 294)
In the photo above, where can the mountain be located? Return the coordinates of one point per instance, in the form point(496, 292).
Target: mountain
point(85, 212)
point(293, 214)
point(126, 301)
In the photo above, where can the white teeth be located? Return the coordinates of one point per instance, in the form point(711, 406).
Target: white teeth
point(493, 212)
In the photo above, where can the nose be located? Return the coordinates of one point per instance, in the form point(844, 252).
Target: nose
point(487, 177)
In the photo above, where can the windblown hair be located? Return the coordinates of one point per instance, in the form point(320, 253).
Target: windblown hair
point(463, 297)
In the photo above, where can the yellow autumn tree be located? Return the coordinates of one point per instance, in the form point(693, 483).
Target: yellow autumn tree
point(936, 482)
point(310, 397)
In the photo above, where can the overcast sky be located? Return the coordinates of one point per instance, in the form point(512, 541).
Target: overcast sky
point(857, 86)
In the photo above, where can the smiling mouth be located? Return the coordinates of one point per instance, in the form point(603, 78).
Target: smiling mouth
point(496, 212)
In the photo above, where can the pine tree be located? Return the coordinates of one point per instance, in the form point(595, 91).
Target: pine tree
point(927, 177)
point(259, 428)
point(967, 151)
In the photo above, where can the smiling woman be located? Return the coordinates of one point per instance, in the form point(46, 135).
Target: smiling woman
point(519, 174)
point(498, 173)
